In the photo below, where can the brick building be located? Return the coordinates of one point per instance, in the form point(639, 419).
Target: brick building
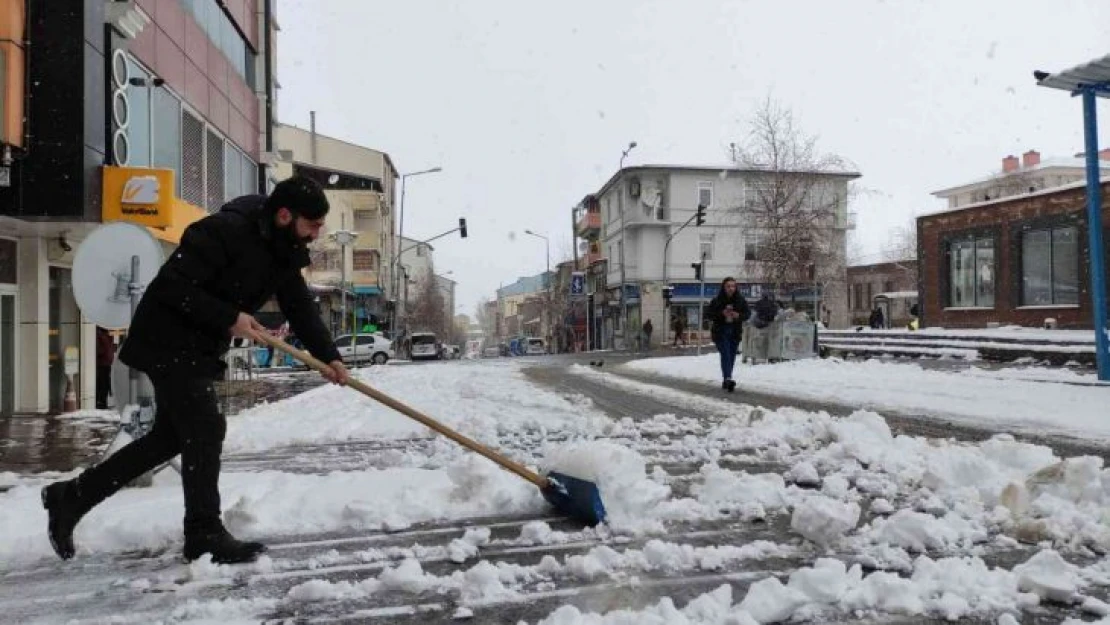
point(866, 282)
point(1016, 260)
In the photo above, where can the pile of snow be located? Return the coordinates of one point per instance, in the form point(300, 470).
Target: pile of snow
point(459, 395)
point(909, 388)
point(949, 588)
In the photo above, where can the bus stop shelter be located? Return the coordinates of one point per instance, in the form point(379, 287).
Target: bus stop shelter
point(1090, 81)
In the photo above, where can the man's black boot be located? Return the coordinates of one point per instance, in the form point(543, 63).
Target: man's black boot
point(65, 507)
point(224, 547)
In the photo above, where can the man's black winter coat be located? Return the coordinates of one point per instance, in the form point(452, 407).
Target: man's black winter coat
point(230, 262)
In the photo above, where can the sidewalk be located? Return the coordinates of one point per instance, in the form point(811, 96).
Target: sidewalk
point(34, 443)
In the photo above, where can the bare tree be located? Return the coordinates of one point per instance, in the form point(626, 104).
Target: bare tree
point(426, 312)
point(901, 243)
point(795, 209)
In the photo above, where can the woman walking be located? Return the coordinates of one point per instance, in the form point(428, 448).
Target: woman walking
point(728, 311)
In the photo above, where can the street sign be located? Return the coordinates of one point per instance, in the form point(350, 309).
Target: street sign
point(578, 283)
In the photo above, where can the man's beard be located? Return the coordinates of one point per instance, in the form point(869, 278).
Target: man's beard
point(286, 240)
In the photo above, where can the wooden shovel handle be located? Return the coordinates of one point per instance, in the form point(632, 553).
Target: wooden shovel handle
point(409, 411)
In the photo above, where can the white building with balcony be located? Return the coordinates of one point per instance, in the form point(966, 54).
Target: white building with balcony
point(360, 184)
point(643, 207)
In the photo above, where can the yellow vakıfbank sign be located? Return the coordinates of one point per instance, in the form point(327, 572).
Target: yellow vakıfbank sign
point(141, 195)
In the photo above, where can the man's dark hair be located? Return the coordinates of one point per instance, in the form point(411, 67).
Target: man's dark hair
point(302, 196)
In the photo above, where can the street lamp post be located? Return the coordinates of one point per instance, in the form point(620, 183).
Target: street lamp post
point(401, 236)
point(547, 276)
point(343, 238)
point(620, 207)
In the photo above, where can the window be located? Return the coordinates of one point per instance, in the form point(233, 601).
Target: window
point(870, 296)
point(705, 194)
point(166, 143)
point(707, 246)
point(138, 125)
point(971, 273)
point(753, 249)
point(192, 160)
point(223, 34)
point(1050, 267)
point(364, 339)
point(857, 290)
point(214, 169)
point(233, 175)
point(364, 260)
point(888, 286)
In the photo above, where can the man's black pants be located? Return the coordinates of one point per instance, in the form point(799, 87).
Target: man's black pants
point(187, 422)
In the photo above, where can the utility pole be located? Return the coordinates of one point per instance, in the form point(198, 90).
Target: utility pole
point(343, 238)
point(620, 208)
point(701, 300)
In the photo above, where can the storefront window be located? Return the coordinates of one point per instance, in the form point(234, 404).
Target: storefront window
point(166, 142)
point(1050, 267)
point(971, 273)
point(138, 127)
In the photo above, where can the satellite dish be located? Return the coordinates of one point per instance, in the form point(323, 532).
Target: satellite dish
point(102, 271)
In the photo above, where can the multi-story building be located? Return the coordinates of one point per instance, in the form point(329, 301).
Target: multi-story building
point(633, 229)
point(97, 93)
point(516, 300)
point(446, 288)
point(360, 183)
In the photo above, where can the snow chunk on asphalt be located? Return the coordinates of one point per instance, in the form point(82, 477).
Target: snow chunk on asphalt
point(725, 488)
point(823, 520)
point(919, 532)
point(768, 601)
point(805, 474)
point(466, 547)
point(409, 576)
point(1049, 576)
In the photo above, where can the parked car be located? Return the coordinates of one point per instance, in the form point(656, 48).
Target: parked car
point(424, 346)
point(451, 352)
point(535, 347)
point(492, 352)
point(359, 348)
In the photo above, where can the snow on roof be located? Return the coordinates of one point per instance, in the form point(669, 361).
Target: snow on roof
point(1079, 184)
point(1045, 165)
point(897, 294)
point(721, 170)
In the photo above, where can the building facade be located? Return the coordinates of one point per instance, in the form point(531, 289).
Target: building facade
point(633, 227)
point(115, 90)
point(896, 280)
point(1018, 260)
point(360, 184)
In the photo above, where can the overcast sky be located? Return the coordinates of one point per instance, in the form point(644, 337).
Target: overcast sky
point(527, 106)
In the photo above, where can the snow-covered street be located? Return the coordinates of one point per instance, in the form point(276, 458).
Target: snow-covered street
point(720, 512)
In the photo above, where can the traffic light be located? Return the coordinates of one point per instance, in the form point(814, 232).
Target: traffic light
point(697, 271)
point(701, 215)
point(462, 227)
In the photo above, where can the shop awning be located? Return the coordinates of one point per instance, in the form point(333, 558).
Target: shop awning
point(367, 290)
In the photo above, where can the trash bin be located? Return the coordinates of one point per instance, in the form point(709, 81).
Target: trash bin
point(782, 339)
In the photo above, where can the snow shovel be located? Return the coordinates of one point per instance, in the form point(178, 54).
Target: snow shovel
point(574, 497)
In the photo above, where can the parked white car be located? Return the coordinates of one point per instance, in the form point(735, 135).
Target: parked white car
point(360, 348)
point(424, 346)
point(535, 347)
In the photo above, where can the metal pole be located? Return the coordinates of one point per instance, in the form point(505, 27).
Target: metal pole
point(701, 304)
point(397, 261)
point(133, 289)
point(1094, 232)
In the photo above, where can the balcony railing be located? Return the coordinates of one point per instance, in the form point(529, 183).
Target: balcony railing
point(588, 223)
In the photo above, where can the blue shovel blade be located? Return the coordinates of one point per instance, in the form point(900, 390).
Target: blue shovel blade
point(575, 498)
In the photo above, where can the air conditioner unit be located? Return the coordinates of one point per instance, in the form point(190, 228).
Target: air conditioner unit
point(267, 158)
